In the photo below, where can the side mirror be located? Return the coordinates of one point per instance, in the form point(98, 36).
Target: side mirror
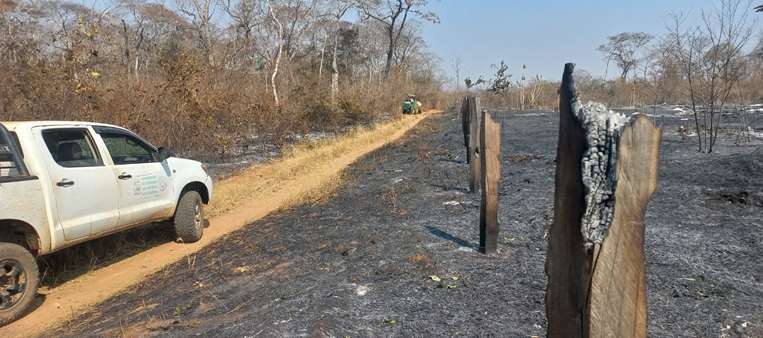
point(165, 153)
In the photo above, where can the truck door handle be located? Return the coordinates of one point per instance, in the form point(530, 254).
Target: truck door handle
point(124, 176)
point(65, 183)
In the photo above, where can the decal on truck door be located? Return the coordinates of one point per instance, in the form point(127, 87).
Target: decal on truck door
point(148, 186)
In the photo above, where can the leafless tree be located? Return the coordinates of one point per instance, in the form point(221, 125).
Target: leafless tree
point(244, 21)
point(201, 13)
point(299, 17)
point(279, 51)
point(261, 25)
point(192, 74)
point(457, 65)
point(534, 91)
point(337, 11)
point(623, 49)
point(393, 15)
point(712, 59)
point(410, 43)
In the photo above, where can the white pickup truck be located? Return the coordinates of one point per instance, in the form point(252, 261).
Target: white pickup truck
point(63, 183)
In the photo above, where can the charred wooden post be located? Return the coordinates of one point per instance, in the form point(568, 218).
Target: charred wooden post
point(595, 261)
point(567, 263)
point(474, 139)
point(465, 125)
point(490, 158)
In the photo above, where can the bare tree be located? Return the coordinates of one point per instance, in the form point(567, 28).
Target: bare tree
point(687, 46)
point(201, 13)
point(279, 52)
point(338, 12)
point(298, 18)
point(374, 48)
point(728, 28)
point(712, 60)
point(522, 88)
point(244, 20)
point(623, 48)
point(192, 74)
point(457, 65)
point(534, 91)
point(411, 43)
point(133, 35)
point(262, 28)
point(393, 15)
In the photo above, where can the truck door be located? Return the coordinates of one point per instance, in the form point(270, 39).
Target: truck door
point(145, 192)
point(84, 189)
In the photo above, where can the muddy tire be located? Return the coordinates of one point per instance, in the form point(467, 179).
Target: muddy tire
point(189, 217)
point(19, 279)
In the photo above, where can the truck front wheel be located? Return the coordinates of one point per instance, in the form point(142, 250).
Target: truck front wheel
point(19, 279)
point(189, 217)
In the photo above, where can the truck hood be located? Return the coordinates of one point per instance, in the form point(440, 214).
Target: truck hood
point(186, 165)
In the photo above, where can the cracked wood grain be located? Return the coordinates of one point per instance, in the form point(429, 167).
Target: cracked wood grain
point(599, 291)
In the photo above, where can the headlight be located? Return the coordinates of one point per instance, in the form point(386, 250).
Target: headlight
point(204, 167)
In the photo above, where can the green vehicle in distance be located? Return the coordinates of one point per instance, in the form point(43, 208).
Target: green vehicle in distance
point(411, 105)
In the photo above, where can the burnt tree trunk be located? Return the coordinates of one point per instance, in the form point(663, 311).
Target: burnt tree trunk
point(599, 291)
point(567, 263)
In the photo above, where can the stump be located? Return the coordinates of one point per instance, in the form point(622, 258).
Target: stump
point(465, 126)
point(474, 139)
point(606, 173)
point(490, 158)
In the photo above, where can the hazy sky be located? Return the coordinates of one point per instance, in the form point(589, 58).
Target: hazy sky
point(543, 34)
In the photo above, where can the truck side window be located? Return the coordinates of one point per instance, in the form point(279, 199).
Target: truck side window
point(71, 148)
point(125, 149)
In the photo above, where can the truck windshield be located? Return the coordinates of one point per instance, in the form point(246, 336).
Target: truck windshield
point(11, 165)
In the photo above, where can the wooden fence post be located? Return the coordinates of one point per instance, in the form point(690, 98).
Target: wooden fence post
point(598, 288)
point(490, 158)
point(474, 139)
point(465, 125)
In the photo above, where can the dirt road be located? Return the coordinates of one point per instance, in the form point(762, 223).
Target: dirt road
point(392, 253)
point(67, 301)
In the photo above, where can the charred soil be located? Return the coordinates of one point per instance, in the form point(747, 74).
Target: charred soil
point(393, 252)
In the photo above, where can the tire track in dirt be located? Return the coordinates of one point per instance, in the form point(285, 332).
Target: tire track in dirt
point(359, 263)
point(72, 298)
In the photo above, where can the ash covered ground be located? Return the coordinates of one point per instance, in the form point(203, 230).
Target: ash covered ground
point(361, 263)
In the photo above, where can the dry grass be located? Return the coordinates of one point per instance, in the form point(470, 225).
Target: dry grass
point(307, 174)
point(300, 162)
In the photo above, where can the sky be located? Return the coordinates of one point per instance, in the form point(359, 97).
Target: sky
point(543, 34)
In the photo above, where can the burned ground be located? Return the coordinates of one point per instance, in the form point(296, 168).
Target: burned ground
point(392, 253)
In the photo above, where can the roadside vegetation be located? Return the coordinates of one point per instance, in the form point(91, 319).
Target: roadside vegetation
point(306, 174)
point(209, 78)
point(206, 77)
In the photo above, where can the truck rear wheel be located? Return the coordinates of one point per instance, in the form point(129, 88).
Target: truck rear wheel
point(189, 217)
point(19, 279)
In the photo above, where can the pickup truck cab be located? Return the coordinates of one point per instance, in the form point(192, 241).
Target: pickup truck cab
point(63, 183)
